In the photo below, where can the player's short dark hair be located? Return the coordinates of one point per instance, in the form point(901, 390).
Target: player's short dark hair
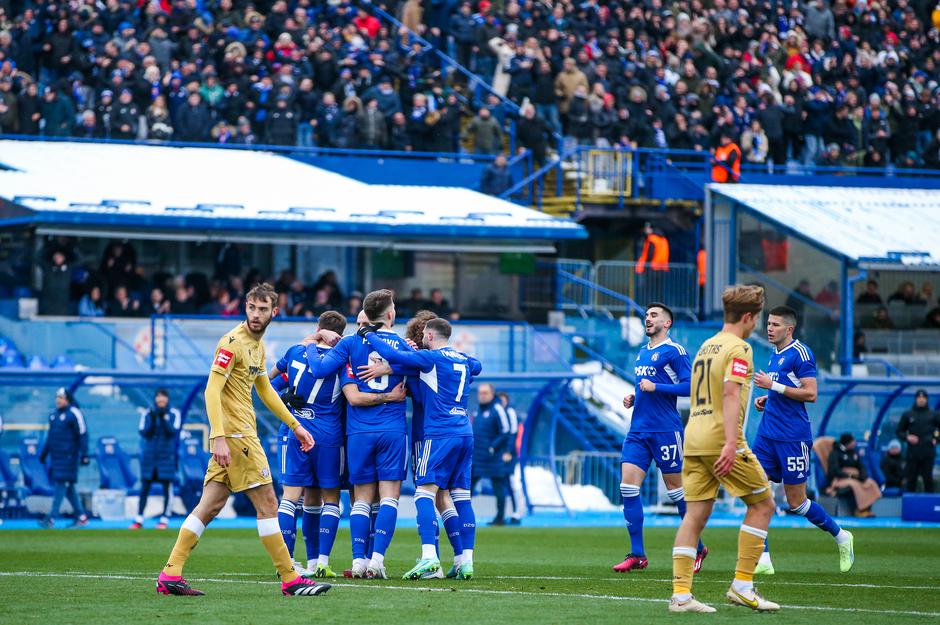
point(439, 326)
point(414, 329)
point(262, 292)
point(784, 312)
point(376, 303)
point(662, 306)
point(333, 321)
point(163, 392)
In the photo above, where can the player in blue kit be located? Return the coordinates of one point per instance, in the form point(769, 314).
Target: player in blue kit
point(662, 372)
point(447, 452)
point(377, 437)
point(785, 437)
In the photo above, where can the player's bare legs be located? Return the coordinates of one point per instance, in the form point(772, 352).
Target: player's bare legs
point(676, 494)
point(171, 581)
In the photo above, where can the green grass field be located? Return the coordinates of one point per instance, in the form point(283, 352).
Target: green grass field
point(523, 576)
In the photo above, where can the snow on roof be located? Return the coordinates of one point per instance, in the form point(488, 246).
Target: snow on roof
point(861, 224)
point(180, 188)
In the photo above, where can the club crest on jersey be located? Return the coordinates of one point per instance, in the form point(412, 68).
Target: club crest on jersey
point(739, 367)
point(655, 357)
point(265, 473)
point(223, 358)
point(780, 362)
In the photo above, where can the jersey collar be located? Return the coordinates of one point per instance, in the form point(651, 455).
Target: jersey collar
point(791, 344)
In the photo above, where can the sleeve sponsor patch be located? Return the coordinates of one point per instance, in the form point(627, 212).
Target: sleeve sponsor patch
point(223, 358)
point(349, 372)
point(739, 367)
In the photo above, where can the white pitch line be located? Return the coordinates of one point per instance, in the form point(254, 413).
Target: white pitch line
point(464, 590)
point(716, 581)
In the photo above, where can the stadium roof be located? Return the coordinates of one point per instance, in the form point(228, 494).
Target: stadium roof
point(210, 193)
point(864, 225)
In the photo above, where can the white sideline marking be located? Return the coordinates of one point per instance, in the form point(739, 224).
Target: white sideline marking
point(480, 591)
point(706, 581)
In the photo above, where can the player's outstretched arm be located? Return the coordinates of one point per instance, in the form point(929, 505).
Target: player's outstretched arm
point(357, 398)
point(474, 365)
point(331, 362)
point(418, 360)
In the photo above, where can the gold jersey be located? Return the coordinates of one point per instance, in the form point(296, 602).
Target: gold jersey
point(240, 358)
point(723, 357)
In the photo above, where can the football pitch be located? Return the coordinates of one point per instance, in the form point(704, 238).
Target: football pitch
point(523, 575)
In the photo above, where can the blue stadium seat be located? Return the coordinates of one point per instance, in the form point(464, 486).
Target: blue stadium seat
point(63, 362)
point(11, 358)
point(10, 493)
point(114, 466)
point(38, 363)
point(35, 474)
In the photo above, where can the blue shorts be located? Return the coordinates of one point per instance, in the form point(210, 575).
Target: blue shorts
point(783, 461)
point(321, 467)
point(446, 462)
point(377, 456)
point(417, 446)
point(642, 448)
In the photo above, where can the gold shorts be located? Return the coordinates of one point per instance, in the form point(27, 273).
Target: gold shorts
point(747, 479)
point(247, 469)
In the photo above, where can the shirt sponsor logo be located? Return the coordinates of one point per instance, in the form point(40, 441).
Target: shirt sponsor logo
point(304, 413)
point(223, 358)
point(739, 367)
point(644, 372)
point(457, 410)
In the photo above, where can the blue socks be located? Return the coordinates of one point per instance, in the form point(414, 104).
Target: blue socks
point(427, 516)
point(373, 515)
point(468, 519)
point(329, 523)
point(633, 515)
point(816, 515)
point(287, 520)
point(677, 496)
point(452, 528)
point(385, 524)
point(311, 529)
point(359, 518)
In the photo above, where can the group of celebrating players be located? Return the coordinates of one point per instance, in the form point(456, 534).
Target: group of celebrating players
point(366, 376)
point(711, 451)
point(348, 395)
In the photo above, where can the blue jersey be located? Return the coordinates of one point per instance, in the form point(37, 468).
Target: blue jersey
point(666, 365)
point(785, 419)
point(445, 375)
point(417, 406)
point(352, 352)
point(280, 383)
point(322, 414)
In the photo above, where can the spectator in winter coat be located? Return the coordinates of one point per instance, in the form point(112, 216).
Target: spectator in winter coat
point(370, 127)
point(159, 430)
point(388, 100)
point(243, 135)
point(398, 137)
point(280, 126)
point(126, 119)
point(346, 125)
point(57, 113)
point(567, 83)
point(65, 447)
point(56, 284)
point(485, 133)
point(531, 132)
point(328, 115)
point(193, 122)
point(754, 143)
point(496, 177)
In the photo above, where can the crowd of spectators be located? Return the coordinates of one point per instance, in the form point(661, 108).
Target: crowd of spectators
point(906, 301)
point(118, 286)
point(854, 83)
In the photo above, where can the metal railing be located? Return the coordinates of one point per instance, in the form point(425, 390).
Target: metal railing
point(676, 285)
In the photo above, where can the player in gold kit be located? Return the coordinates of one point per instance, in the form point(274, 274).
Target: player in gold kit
point(717, 455)
point(238, 461)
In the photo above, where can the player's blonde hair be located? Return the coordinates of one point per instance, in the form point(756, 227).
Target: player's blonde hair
point(739, 299)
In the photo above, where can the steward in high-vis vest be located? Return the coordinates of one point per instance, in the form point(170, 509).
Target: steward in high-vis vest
point(727, 167)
